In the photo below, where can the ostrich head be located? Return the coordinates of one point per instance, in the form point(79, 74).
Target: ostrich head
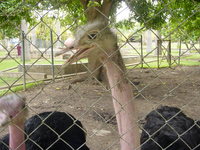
point(93, 39)
point(12, 107)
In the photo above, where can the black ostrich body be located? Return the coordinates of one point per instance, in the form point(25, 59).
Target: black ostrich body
point(60, 131)
point(178, 132)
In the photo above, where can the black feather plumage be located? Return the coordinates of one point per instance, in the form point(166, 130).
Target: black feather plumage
point(53, 131)
point(170, 129)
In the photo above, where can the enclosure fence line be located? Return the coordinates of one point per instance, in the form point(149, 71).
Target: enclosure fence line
point(56, 88)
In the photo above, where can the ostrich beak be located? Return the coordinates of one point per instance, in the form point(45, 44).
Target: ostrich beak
point(81, 52)
point(69, 45)
point(63, 50)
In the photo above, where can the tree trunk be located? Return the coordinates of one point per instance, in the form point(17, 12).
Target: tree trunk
point(149, 41)
point(158, 44)
point(26, 50)
point(33, 40)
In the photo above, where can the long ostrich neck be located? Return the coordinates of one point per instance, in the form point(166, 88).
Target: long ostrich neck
point(16, 136)
point(124, 106)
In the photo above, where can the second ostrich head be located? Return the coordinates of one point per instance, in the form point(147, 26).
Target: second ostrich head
point(12, 109)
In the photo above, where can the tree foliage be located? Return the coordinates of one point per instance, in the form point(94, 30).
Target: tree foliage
point(168, 15)
point(13, 11)
point(11, 14)
point(152, 14)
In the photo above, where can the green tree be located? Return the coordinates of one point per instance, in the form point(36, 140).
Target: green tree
point(11, 14)
point(181, 15)
point(170, 16)
point(154, 14)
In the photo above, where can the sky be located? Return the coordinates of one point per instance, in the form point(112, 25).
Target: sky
point(123, 12)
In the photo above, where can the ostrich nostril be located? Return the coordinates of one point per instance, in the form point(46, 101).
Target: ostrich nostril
point(24, 105)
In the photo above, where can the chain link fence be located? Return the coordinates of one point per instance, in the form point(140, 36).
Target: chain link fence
point(162, 69)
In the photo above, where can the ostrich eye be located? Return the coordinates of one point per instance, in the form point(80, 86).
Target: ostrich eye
point(92, 36)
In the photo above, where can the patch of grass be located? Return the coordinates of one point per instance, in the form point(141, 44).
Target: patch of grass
point(175, 53)
point(196, 56)
point(3, 53)
point(8, 80)
point(8, 63)
point(20, 88)
point(165, 64)
point(190, 63)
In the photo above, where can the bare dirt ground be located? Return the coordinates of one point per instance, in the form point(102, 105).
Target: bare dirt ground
point(92, 104)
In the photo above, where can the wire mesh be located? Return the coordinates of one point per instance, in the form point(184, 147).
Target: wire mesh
point(161, 69)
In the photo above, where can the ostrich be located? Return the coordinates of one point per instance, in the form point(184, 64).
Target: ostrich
point(98, 40)
point(170, 129)
point(47, 130)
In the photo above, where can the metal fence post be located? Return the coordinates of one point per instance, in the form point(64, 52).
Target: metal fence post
point(24, 60)
point(158, 52)
point(142, 55)
point(169, 54)
point(52, 56)
point(179, 54)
